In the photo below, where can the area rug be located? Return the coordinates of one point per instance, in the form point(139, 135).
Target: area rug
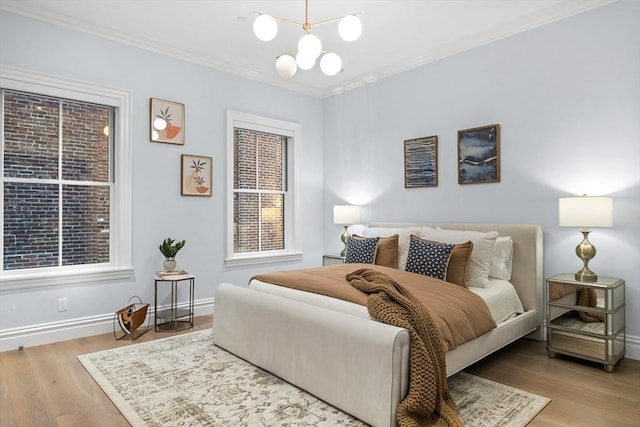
point(187, 381)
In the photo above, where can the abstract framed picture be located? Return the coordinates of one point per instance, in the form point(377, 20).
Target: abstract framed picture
point(421, 162)
point(167, 122)
point(479, 155)
point(196, 175)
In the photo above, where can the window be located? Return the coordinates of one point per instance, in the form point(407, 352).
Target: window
point(65, 179)
point(262, 204)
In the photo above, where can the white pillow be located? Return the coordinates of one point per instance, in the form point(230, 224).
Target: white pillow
point(404, 238)
point(502, 258)
point(480, 259)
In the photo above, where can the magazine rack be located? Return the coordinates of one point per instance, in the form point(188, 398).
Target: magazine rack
point(130, 317)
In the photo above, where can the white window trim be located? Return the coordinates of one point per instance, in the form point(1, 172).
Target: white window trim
point(121, 224)
point(293, 242)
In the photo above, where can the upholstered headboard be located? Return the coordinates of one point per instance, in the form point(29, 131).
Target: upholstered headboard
point(527, 276)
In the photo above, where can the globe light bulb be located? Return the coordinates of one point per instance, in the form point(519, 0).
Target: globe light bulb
point(265, 27)
point(310, 45)
point(350, 28)
point(159, 124)
point(286, 66)
point(305, 62)
point(331, 64)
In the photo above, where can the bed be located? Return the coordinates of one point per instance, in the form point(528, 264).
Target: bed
point(331, 347)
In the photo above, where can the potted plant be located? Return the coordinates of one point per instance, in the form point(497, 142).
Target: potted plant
point(169, 248)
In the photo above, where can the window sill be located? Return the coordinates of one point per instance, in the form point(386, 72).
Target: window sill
point(67, 277)
point(241, 261)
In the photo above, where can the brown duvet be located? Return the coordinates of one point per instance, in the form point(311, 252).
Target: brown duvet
point(459, 314)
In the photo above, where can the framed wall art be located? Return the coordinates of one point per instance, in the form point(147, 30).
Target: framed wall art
point(479, 155)
point(167, 122)
point(196, 175)
point(421, 162)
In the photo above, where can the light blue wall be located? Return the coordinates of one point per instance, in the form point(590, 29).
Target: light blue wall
point(567, 98)
point(159, 210)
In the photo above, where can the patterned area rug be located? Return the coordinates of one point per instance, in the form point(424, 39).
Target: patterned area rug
point(187, 381)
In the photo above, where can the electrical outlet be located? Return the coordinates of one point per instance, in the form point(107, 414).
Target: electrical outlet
point(62, 304)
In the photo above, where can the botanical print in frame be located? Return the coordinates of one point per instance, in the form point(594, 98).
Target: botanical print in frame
point(421, 162)
point(479, 155)
point(167, 122)
point(196, 175)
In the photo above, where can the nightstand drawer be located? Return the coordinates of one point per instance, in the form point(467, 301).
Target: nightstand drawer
point(607, 351)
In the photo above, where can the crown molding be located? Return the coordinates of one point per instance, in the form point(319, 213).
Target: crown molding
point(554, 13)
point(557, 12)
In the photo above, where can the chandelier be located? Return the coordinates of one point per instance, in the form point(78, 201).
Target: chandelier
point(310, 48)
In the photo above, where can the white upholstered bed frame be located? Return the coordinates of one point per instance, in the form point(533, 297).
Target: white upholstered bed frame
point(354, 363)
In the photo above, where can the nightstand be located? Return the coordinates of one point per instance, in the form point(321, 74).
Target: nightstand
point(332, 259)
point(567, 333)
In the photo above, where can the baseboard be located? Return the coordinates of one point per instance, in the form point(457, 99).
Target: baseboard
point(47, 333)
point(633, 347)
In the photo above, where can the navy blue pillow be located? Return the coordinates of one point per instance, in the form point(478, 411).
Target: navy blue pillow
point(428, 258)
point(361, 251)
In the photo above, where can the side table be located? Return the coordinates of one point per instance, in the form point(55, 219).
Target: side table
point(173, 318)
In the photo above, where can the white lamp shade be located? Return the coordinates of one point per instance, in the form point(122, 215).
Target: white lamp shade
point(305, 62)
point(286, 66)
point(265, 27)
point(350, 28)
point(310, 45)
point(585, 211)
point(346, 214)
point(331, 64)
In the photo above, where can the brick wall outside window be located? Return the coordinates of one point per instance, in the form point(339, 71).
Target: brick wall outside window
point(259, 186)
point(56, 182)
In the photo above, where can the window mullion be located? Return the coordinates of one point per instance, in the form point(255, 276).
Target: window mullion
point(2, 175)
point(59, 175)
point(257, 184)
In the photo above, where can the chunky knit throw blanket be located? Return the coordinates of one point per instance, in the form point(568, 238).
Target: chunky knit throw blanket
point(428, 402)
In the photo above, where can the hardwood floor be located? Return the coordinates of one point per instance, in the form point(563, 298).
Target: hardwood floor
point(47, 386)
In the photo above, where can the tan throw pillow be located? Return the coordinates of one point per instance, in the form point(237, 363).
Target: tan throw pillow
point(458, 263)
point(386, 252)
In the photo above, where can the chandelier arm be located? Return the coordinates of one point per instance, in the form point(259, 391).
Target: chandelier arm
point(277, 18)
point(288, 21)
point(328, 21)
point(306, 25)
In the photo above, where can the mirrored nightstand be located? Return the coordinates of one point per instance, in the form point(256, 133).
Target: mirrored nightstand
point(568, 333)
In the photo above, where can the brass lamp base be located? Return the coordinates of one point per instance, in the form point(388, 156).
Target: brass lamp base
point(586, 251)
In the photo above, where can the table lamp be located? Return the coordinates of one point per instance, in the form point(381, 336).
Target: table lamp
point(346, 215)
point(585, 212)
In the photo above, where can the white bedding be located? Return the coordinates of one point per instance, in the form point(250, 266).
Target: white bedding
point(501, 298)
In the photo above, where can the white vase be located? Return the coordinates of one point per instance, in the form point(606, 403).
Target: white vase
point(169, 264)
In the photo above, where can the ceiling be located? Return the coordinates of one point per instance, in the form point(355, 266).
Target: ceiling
point(397, 34)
